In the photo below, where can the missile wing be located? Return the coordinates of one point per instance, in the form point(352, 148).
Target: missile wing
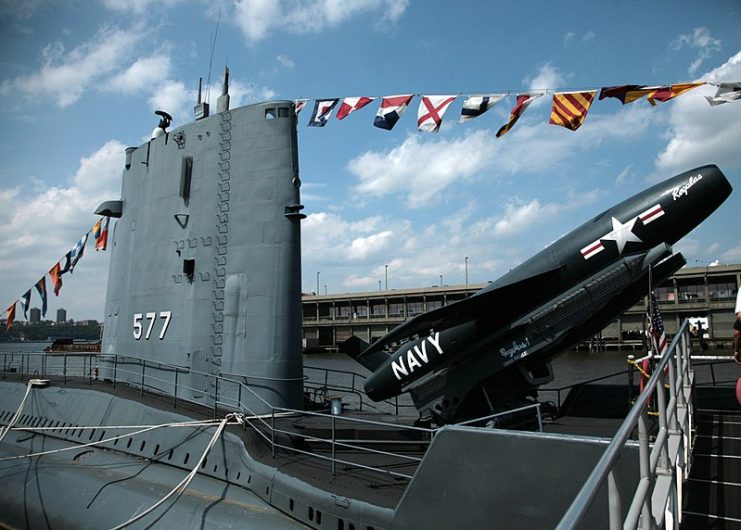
point(493, 349)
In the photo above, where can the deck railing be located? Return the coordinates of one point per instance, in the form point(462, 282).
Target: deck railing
point(664, 465)
point(222, 394)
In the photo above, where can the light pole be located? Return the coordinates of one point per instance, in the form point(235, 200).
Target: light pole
point(325, 288)
point(466, 266)
point(387, 277)
point(317, 283)
point(441, 280)
point(379, 286)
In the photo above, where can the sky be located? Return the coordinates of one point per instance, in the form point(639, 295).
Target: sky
point(80, 80)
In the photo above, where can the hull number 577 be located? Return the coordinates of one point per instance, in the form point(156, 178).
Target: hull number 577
point(150, 318)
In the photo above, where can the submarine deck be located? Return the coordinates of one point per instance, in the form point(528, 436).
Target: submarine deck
point(378, 475)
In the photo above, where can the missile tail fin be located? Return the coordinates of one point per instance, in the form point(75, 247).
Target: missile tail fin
point(355, 347)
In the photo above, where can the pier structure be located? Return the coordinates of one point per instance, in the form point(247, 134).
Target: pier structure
point(706, 295)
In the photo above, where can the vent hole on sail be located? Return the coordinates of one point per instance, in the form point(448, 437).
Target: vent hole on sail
point(187, 456)
point(311, 513)
point(290, 504)
point(204, 463)
point(141, 447)
point(318, 517)
point(340, 524)
point(156, 449)
point(128, 444)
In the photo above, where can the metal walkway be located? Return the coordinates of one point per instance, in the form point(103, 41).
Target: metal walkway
point(713, 491)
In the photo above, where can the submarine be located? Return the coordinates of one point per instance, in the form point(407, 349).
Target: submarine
point(196, 414)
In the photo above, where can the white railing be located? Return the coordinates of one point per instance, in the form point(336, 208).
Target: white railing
point(657, 500)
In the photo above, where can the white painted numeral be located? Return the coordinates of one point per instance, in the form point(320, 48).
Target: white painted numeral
point(152, 318)
point(138, 325)
point(167, 315)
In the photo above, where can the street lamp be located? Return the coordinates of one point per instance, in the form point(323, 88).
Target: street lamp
point(379, 286)
point(387, 277)
point(441, 280)
point(466, 263)
point(317, 283)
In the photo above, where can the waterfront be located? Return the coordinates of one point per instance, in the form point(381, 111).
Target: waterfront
point(570, 368)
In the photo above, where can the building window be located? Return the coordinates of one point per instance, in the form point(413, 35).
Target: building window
point(722, 290)
point(415, 308)
point(691, 293)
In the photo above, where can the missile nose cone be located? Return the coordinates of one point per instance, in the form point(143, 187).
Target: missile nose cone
point(693, 196)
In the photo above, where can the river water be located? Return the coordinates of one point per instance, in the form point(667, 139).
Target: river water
point(570, 368)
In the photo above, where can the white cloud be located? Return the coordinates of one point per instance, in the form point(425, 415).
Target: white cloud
point(66, 75)
point(40, 226)
point(137, 6)
point(286, 61)
point(701, 40)
point(143, 74)
point(699, 134)
point(353, 254)
point(256, 18)
point(421, 168)
point(547, 76)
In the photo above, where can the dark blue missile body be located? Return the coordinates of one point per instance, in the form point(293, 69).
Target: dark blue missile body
point(567, 292)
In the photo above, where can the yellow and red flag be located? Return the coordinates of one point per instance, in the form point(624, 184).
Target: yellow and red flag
point(523, 100)
point(626, 93)
point(10, 316)
point(665, 93)
point(56, 278)
point(100, 233)
point(570, 108)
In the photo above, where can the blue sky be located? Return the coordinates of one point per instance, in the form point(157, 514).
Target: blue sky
point(79, 82)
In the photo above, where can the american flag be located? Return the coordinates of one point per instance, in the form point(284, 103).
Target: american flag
point(656, 328)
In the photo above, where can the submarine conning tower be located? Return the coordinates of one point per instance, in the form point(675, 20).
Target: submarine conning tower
point(205, 270)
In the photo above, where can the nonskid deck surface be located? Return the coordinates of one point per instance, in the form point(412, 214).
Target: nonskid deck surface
point(713, 498)
point(349, 479)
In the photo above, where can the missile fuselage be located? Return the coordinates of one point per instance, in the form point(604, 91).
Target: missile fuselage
point(513, 317)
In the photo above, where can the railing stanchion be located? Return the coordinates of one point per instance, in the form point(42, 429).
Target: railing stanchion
point(216, 397)
point(644, 455)
point(272, 429)
point(333, 448)
point(540, 418)
point(663, 465)
point(175, 402)
point(613, 498)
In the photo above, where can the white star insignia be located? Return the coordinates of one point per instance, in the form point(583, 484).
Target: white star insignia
point(622, 233)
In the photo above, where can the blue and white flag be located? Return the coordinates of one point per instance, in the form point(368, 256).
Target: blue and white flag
point(392, 107)
point(322, 112)
point(26, 303)
point(66, 267)
point(727, 92)
point(475, 106)
point(77, 251)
